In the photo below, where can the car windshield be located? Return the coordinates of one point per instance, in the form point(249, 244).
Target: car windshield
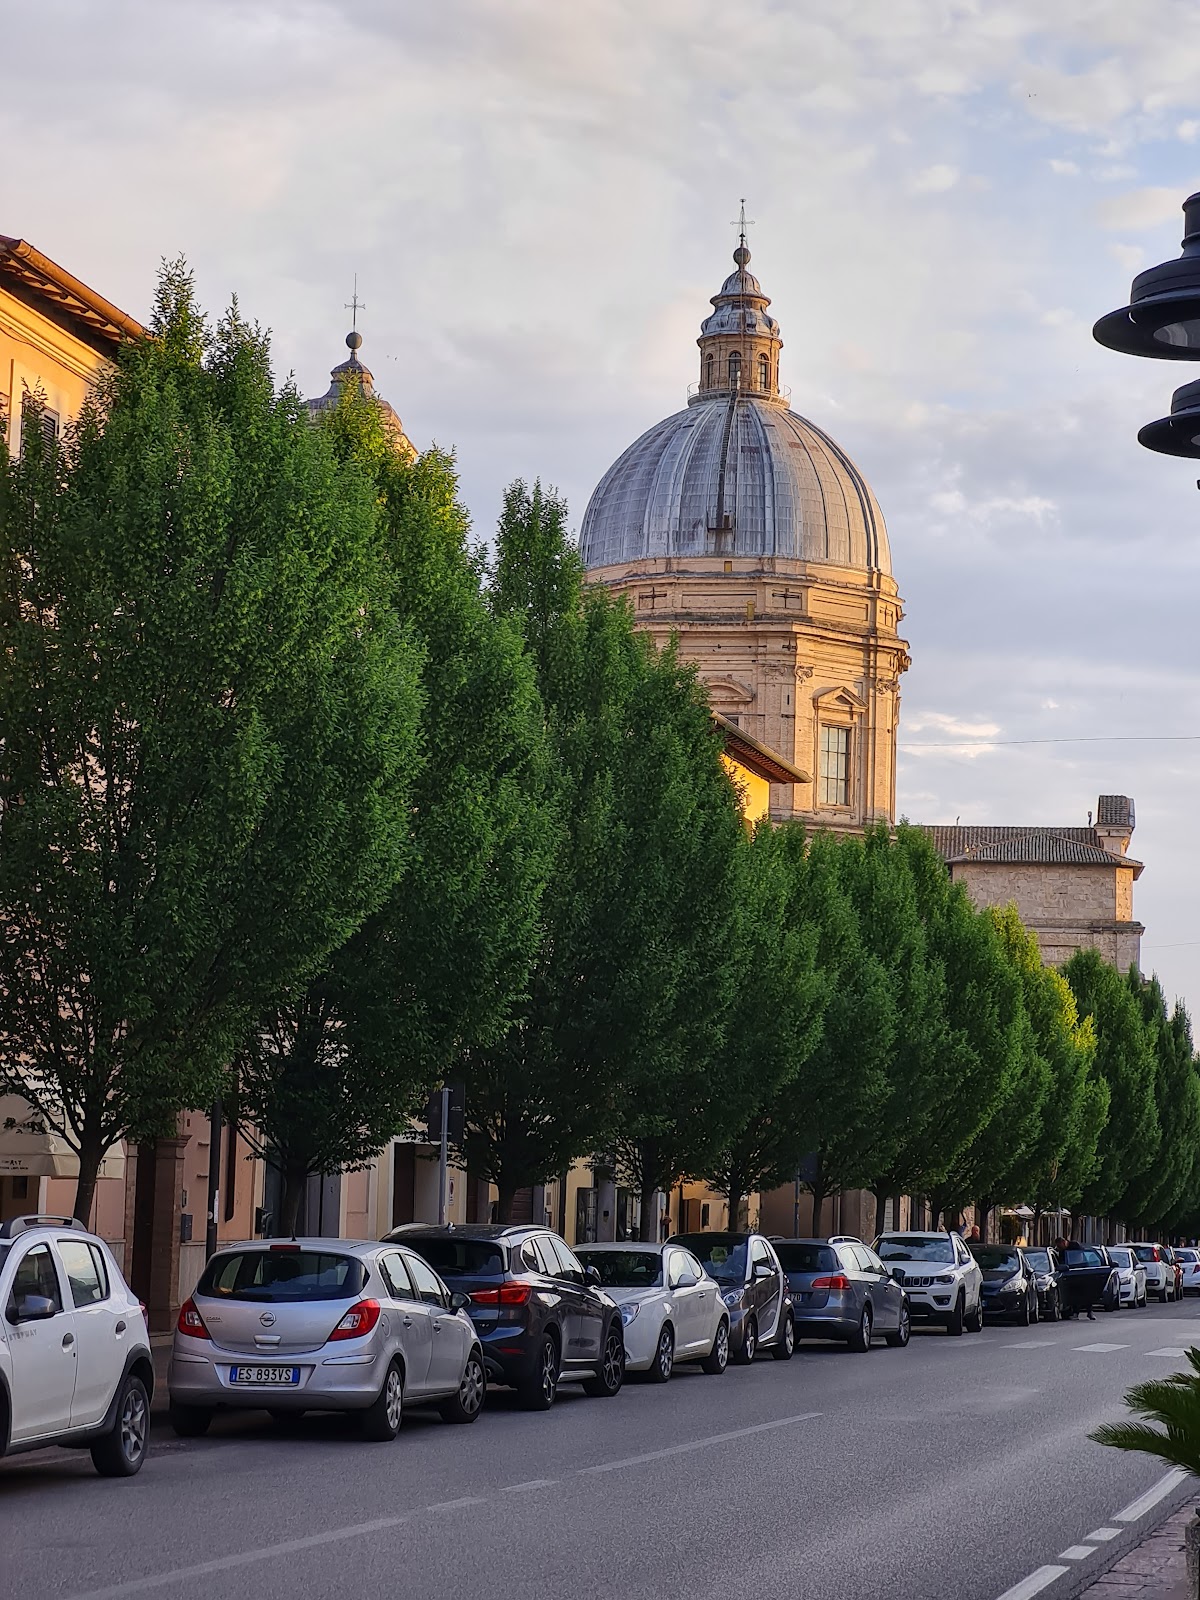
point(282, 1275)
point(625, 1269)
point(723, 1255)
point(1146, 1252)
point(459, 1258)
point(1180, 1255)
point(1039, 1260)
point(993, 1256)
point(807, 1257)
point(936, 1247)
point(1122, 1258)
point(1082, 1257)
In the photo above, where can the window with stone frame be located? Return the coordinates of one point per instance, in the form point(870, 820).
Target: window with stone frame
point(735, 369)
point(834, 769)
point(764, 373)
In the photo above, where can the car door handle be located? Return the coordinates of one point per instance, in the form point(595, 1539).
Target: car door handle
point(68, 1340)
point(437, 1326)
point(407, 1321)
point(120, 1328)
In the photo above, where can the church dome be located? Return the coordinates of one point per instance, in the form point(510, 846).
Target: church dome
point(736, 473)
point(353, 372)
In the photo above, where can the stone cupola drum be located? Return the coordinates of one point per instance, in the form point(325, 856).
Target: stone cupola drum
point(740, 343)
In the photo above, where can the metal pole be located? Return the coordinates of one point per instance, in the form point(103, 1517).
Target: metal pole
point(214, 1177)
point(443, 1156)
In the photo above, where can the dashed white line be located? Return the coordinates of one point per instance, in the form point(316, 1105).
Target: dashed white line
point(1146, 1502)
point(1028, 1344)
point(1101, 1535)
point(1034, 1583)
point(1077, 1552)
point(533, 1483)
point(453, 1505)
point(1102, 1349)
point(1168, 1350)
point(699, 1444)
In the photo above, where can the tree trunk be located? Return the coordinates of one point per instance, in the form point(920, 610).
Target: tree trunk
point(736, 1195)
point(506, 1197)
point(881, 1195)
point(818, 1203)
point(983, 1207)
point(90, 1156)
point(647, 1224)
point(294, 1180)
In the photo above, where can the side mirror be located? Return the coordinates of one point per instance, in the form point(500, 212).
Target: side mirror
point(459, 1301)
point(897, 1273)
point(763, 1269)
point(33, 1308)
point(592, 1275)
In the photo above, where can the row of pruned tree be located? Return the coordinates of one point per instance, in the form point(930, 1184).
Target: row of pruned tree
point(307, 803)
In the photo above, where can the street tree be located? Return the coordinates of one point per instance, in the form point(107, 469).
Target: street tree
point(209, 713)
point(1164, 1186)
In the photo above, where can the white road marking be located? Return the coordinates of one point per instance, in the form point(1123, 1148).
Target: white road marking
point(1033, 1584)
point(1101, 1535)
point(700, 1444)
point(1168, 1350)
point(1102, 1349)
point(453, 1505)
point(533, 1483)
point(1146, 1502)
point(1028, 1344)
point(1077, 1552)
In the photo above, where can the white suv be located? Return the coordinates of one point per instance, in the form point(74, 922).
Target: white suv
point(75, 1364)
point(941, 1277)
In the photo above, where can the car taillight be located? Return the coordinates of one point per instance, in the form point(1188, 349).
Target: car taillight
point(486, 1297)
point(515, 1294)
point(1154, 1255)
point(360, 1319)
point(837, 1280)
point(190, 1321)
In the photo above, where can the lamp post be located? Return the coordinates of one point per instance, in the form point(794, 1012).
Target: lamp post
point(1162, 321)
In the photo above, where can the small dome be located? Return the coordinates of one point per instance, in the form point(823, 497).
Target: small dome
point(352, 371)
point(735, 476)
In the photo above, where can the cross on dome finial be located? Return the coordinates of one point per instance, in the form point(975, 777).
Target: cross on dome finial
point(354, 305)
point(742, 255)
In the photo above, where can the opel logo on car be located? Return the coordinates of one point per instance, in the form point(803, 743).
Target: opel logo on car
point(267, 1319)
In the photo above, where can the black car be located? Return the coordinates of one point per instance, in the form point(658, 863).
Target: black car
point(1088, 1277)
point(1009, 1282)
point(1046, 1271)
point(754, 1288)
point(541, 1317)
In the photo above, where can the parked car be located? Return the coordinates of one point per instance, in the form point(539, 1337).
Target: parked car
point(1087, 1278)
point(671, 1310)
point(1044, 1264)
point(296, 1325)
point(1009, 1282)
point(1189, 1260)
point(1160, 1271)
point(939, 1275)
point(1169, 1252)
point(541, 1317)
point(1131, 1274)
point(842, 1290)
point(75, 1363)
point(754, 1288)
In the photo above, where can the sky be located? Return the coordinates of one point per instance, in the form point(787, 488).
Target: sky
point(536, 198)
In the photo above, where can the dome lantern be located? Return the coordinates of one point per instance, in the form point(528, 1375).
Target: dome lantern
point(740, 342)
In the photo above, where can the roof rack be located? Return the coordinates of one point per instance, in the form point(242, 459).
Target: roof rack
point(16, 1225)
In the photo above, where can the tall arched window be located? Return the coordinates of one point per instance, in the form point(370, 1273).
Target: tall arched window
point(735, 369)
point(708, 371)
point(764, 372)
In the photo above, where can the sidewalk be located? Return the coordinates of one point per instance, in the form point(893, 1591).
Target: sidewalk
point(1154, 1569)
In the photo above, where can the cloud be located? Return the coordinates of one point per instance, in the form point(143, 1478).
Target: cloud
point(1129, 256)
point(1188, 130)
point(1064, 169)
point(935, 179)
point(1140, 208)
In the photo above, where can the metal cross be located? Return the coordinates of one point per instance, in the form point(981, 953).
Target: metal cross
point(354, 304)
point(742, 222)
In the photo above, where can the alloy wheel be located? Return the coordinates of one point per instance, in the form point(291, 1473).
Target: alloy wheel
point(722, 1346)
point(614, 1364)
point(133, 1425)
point(750, 1342)
point(470, 1388)
point(549, 1371)
point(394, 1399)
point(665, 1355)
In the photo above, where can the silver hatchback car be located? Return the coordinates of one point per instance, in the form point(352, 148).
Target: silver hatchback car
point(297, 1325)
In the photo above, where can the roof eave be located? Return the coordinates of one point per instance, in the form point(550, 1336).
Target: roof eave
point(757, 757)
point(36, 271)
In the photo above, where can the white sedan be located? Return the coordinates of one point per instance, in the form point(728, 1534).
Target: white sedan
point(671, 1310)
point(1189, 1260)
point(1130, 1273)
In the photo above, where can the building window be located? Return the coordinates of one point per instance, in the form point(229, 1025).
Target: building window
point(764, 373)
point(46, 422)
point(735, 370)
point(708, 372)
point(835, 767)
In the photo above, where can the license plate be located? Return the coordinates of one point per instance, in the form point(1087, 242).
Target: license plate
point(277, 1377)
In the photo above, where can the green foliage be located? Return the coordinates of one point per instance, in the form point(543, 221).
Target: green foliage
point(1165, 1188)
point(209, 711)
point(1174, 1404)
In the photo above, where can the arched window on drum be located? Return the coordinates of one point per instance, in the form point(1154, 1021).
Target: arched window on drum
point(735, 369)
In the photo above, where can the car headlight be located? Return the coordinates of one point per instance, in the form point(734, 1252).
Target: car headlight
point(946, 1279)
point(731, 1296)
point(628, 1312)
point(1012, 1283)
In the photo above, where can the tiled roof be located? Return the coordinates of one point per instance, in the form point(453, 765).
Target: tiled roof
point(1075, 847)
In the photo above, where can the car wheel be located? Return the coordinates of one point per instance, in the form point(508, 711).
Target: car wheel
point(189, 1422)
point(973, 1320)
point(860, 1339)
point(611, 1375)
point(749, 1346)
point(1035, 1309)
point(466, 1405)
point(537, 1393)
point(120, 1453)
point(784, 1347)
point(664, 1356)
point(1025, 1318)
point(717, 1358)
point(1053, 1313)
point(955, 1321)
point(382, 1418)
point(900, 1338)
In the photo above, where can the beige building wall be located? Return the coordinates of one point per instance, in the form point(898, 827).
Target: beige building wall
point(1067, 908)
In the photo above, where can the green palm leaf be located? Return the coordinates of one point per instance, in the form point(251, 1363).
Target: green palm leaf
point(1173, 1403)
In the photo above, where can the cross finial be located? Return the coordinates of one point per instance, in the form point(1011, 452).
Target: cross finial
point(742, 222)
point(354, 304)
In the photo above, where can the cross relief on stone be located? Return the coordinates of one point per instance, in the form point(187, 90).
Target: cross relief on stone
point(650, 597)
point(788, 595)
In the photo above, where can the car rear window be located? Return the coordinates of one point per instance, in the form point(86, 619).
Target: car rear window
point(625, 1269)
point(1083, 1257)
point(807, 1257)
point(1180, 1255)
point(460, 1258)
point(1146, 1252)
point(282, 1275)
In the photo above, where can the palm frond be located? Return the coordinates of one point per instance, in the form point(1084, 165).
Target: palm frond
point(1174, 1403)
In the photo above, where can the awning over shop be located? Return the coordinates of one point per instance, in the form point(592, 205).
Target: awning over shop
point(24, 1154)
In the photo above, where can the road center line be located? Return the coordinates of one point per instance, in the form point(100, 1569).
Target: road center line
point(695, 1444)
point(1146, 1502)
point(1168, 1350)
point(1034, 1583)
point(1102, 1349)
point(531, 1483)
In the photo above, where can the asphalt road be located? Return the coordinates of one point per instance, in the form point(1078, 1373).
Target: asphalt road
point(947, 1471)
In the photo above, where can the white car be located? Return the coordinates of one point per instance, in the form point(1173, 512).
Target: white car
point(941, 1277)
point(1160, 1274)
point(1189, 1260)
point(1131, 1274)
point(670, 1308)
point(75, 1364)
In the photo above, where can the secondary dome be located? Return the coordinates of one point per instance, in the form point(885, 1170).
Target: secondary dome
point(737, 473)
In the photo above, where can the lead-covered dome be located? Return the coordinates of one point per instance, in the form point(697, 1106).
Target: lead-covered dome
point(737, 473)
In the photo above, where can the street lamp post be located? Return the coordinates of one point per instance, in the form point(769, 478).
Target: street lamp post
point(1162, 321)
